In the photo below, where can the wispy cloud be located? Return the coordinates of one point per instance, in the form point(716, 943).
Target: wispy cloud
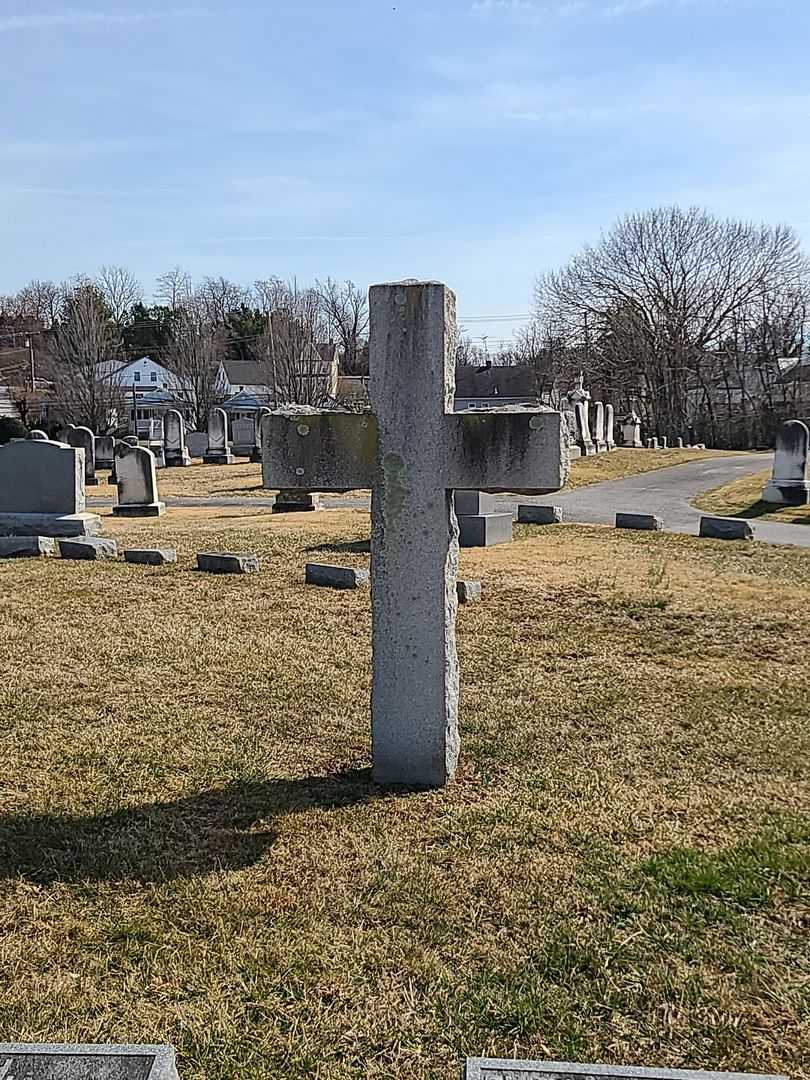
point(535, 10)
point(77, 18)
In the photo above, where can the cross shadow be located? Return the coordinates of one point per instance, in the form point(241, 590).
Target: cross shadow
point(347, 547)
point(759, 508)
point(225, 829)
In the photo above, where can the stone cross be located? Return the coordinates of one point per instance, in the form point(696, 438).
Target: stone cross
point(413, 452)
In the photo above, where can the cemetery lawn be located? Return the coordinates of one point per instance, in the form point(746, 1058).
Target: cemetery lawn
point(191, 850)
point(741, 498)
point(245, 479)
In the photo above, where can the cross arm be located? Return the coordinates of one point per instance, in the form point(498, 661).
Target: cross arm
point(316, 450)
point(507, 450)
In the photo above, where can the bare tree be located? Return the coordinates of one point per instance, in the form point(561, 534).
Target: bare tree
point(40, 301)
point(345, 310)
point(85, 354)
point(120, 290)
point(288, 347)
point(194, 357)
point(652, 303)
point(218, 298)
point(174, 288)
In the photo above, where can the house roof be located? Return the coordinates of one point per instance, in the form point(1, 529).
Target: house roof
point(492, 381)
point(798, 372)
point(243, 400)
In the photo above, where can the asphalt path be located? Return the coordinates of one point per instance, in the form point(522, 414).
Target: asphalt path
point(665, 492)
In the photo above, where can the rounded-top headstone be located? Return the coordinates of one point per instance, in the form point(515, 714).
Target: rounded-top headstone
point(37, 435)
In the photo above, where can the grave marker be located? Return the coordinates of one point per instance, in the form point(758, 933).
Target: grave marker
point(218, 451)
point(501, 1069)
point(42, 490)
point(610, 425)
point(413, 452)
point(137, 483)
point(82, 438)
point(256, 453)
point(59, 1061)
point(789, 483)
point(175, 453)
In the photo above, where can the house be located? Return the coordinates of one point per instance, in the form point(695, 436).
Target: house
point(148, 390)
point(316, 378)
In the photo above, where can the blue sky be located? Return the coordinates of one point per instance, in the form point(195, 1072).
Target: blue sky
point(479, 142)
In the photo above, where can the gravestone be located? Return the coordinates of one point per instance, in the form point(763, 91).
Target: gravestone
point(664, 442)
point(131, 440)
point(610, 424)
point(82, 438)
point(137, 483)
point(718, 528)
point(243, 434)
point(654, 443)
point(174, 440)
point(59, 1061)
point(598, 427)
point(150, 556)
point(584, 441)
point(468, 592)
point(501, 1069)
point(335, 577)
point(226, 562)
point(645, 522)
point(256, 453)
point(679, 443)
point(413, 451)
point(88, 548)
point(35, 433)
point(197, 443)
point(26, 547)
point(42, 490)
point(292, 501)
point(478, 523)
point(218, 451)
point(789, 483)
point(631, 430)
point(104, 445)
point(532, 514)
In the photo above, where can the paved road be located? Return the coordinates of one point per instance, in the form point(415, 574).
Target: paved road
point(666, 492)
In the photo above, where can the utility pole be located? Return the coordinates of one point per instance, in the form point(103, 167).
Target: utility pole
point(29, 341)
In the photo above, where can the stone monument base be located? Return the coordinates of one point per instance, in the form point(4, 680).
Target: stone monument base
point(154, 509)
point(787, 492)
point(484, 530)
point(176, 460)
point(256, 456)
point(218, 459)
point(292, 502)
point(242, 449)
point(50, 525)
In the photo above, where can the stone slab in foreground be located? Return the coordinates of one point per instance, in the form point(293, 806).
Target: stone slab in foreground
point(716, 528)
point(501, 1069)
point(59, 1061)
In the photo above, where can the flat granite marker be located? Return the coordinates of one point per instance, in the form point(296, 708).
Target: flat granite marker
point(60, 1061)
point(501, 1069)
point(413, 452)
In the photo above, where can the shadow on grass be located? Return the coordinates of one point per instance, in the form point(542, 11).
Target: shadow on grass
point(759, 508)
point(347, 547)
point(225, 829)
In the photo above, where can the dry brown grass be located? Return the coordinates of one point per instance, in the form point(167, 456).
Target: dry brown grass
point(741, 498)
point(191, 850)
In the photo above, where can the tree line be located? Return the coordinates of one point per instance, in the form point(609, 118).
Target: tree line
point(81, 330)
point(696, 322)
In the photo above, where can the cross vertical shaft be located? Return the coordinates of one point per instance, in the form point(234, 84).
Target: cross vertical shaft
point(414, 540)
